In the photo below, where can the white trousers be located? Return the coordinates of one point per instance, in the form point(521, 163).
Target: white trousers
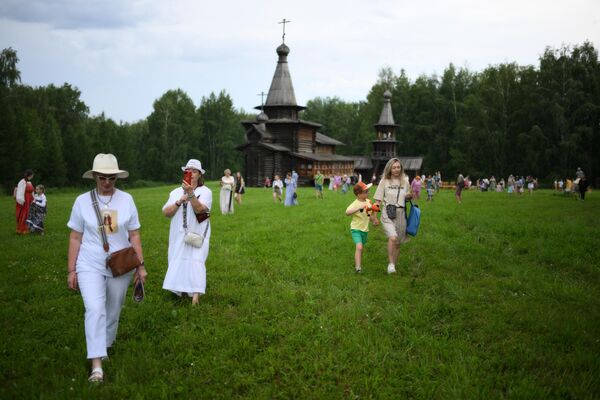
point(103, 298)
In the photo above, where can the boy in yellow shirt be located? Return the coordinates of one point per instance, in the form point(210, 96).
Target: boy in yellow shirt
point(361, 211)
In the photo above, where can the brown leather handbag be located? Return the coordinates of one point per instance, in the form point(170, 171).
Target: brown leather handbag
point(122, 261)
point(202, 216)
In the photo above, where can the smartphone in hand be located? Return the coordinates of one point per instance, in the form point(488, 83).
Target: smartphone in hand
point(187, 176)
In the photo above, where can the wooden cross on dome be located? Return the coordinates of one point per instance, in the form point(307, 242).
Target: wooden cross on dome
point(262, 99)
point(285, 21)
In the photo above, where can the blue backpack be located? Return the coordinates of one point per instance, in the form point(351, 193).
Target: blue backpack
point(413, 219)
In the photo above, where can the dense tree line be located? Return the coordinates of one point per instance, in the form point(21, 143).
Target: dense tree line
point(542, 120)
point(49, 130)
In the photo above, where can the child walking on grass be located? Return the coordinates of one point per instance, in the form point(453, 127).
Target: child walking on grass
point(37, 211)
point(360, 210)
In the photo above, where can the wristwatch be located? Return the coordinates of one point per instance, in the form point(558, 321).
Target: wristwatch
point(190, 196)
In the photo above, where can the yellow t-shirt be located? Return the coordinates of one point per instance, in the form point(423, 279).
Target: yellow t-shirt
point(360, 220)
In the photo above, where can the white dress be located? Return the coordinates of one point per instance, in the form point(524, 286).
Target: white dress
point(226, 195)
point(187, 269)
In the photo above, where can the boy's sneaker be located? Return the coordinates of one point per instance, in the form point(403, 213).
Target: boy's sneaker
point(358, 270)
point(391, 269)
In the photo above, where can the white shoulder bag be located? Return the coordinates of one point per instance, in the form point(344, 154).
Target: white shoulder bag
point(191, 238)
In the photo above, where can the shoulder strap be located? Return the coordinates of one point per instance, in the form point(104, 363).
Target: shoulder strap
point(185, 216)
point(397, 194)
point(185, 227)
point(206, 229)
point(100, 222)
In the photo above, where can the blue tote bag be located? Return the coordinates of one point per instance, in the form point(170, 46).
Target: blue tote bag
point(413, 219)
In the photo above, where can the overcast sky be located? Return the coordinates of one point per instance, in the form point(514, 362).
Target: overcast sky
point(124, 54)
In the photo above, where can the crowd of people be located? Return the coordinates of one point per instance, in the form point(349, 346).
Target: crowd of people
point(519, 184)
point(104, 222)
point(577, 186)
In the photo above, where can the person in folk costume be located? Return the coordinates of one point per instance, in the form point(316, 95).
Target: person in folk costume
point(103, 295)
point(291, 182)
point(24, 198)
point(37, 211)
point(186, 273)
point(226, 195)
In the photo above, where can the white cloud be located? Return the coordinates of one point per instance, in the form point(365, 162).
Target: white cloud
point(124, 54)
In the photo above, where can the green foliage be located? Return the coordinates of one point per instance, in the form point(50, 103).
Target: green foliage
point(341, 120)
point(505, 119)
point(496, 298)
point(221, 132)
point(542, 121)
point(9, 74)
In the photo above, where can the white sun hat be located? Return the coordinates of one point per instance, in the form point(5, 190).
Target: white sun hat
point(105, 164)
point(193, 164)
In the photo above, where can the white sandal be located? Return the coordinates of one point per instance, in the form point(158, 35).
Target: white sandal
point(97, 375)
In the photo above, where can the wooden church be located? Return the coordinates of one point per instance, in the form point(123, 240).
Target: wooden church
point(278, 141)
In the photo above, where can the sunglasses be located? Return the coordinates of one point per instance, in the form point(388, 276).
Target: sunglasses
point(107, 178)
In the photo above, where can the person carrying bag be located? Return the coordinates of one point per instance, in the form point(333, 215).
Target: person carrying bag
point(392, 192)
point(107, 215)
point(189, 208)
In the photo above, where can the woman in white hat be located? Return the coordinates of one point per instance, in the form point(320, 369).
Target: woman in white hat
point(189, 236)
point(103, 295)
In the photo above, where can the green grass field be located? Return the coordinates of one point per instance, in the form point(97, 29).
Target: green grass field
point(498, 297)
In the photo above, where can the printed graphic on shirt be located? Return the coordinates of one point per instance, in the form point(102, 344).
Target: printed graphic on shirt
point(110, 221)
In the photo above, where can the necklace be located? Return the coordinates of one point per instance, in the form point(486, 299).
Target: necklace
point(107, 202)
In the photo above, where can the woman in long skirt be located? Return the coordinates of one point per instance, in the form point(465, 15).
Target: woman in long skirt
point(291, 182)
point(186, 273)
point(24, 198)
point(37, 211)
point(226, 196)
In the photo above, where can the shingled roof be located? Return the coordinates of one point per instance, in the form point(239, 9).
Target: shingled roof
point(324, 139)
point(281, 92)
point(387, 117)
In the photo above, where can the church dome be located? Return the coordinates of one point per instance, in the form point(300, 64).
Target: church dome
point(283, 50)
point(262, 117)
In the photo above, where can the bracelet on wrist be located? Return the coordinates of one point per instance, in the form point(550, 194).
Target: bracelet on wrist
point(190, 196)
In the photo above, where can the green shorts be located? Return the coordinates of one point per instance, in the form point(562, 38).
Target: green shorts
point(359, 236)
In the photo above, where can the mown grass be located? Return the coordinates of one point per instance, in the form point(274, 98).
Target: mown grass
point(498, 297)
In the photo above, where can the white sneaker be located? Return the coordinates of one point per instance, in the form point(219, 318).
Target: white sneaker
point(391, 269)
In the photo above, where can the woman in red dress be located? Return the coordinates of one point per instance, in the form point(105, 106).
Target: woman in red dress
point(24, 197)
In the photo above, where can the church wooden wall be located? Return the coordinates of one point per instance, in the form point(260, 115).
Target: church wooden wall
point(308, 168)
point(305, 140)
point(324, 149)
point(279, 113)
point(261, 162)
point(284, 134)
